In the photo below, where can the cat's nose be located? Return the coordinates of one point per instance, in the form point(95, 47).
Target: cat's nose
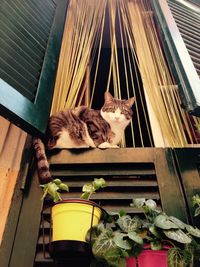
point(116, 118)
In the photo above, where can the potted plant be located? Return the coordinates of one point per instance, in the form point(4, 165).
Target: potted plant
point(161, 231)
point(155, 240)
point(72, 218)
point(121, 236)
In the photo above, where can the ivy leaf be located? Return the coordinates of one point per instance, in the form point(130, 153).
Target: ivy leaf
point(114, 257)
point(162, 221)
point(178, 222)
point(151, 204)
point(99, 183)
point(193, 230)
point(128, 224)
point(64, 187)
point(88, 188)
point(178, 235)
point(197, 212)
point(103, 243)
point(85, 195)
point(121, 242)
point(57, 181)
point(135, 237)
point(138, 202)
point(156, 245)
point(154, 231)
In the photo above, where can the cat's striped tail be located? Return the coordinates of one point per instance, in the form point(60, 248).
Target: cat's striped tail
point(42, 163)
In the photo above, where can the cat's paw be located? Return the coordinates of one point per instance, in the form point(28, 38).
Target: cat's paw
point(104, 145)
point(114, 146)
point(107, 145)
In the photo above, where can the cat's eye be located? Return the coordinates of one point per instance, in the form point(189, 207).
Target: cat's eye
point(110, 109)
point(125, 112)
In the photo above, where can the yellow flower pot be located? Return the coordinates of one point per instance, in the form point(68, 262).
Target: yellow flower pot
point(71, 219)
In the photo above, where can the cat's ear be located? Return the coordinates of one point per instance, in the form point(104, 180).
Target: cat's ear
point(130, 101)
point(108, 97)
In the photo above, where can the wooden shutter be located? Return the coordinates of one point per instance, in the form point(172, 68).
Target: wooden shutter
point(30, 39)
point(130, 173)
point(188, 160)
point(179, 26)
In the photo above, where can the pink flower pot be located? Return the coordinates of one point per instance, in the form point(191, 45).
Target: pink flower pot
point(131, 262)
point(149, 258)
point(153, 258)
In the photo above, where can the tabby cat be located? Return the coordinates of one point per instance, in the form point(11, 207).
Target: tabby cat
point(83, 127)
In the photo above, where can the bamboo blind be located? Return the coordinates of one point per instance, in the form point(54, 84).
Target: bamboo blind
point(141, 49)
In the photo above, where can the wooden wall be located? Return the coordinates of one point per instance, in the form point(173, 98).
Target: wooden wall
point(12, 140)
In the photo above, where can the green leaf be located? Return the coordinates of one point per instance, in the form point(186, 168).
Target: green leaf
point(128, 224)
point(103, 243)
point(88, 188)
point(151, 204)
point(197, 212)
point(52, 188)
point(57, 181)
point(178, 235)
point(95, 232)
point(121, 242)
point(85, 195)
point(122, 213)
point(196, 200)
point(156, 245)
point(114, 257)
point(178, 257)
point(64, 187)
point(57, 197)
point(154, 230)
point(162, 221)
point(178, 222)
point(193, 230)
point(138, 202)
point(99, 183)
point(135, 237)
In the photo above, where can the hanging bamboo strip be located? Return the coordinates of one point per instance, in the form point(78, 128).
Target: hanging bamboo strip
point(155, 75)
point(98, 57)
point(83, 23)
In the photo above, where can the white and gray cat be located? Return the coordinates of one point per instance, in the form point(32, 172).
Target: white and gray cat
point(83, 127)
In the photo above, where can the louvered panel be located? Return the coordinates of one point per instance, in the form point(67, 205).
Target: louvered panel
point(188, 23)
point(125, 181)
point(129, 173)
point(24, 32)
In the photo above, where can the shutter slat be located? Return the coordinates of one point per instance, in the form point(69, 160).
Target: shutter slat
point(188, 23)
point(43, 21)
point(12, 10)
point(23, 54)
point(23, 61)
point(184, 11)
point(12, 81)
point(17, 77)
point(11, 61)
point(24, 29)
point(190, 28)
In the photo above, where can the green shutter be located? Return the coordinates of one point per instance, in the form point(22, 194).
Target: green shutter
point(179, 26)
point(30, 40)
point(188, 162)
point(130, 173)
